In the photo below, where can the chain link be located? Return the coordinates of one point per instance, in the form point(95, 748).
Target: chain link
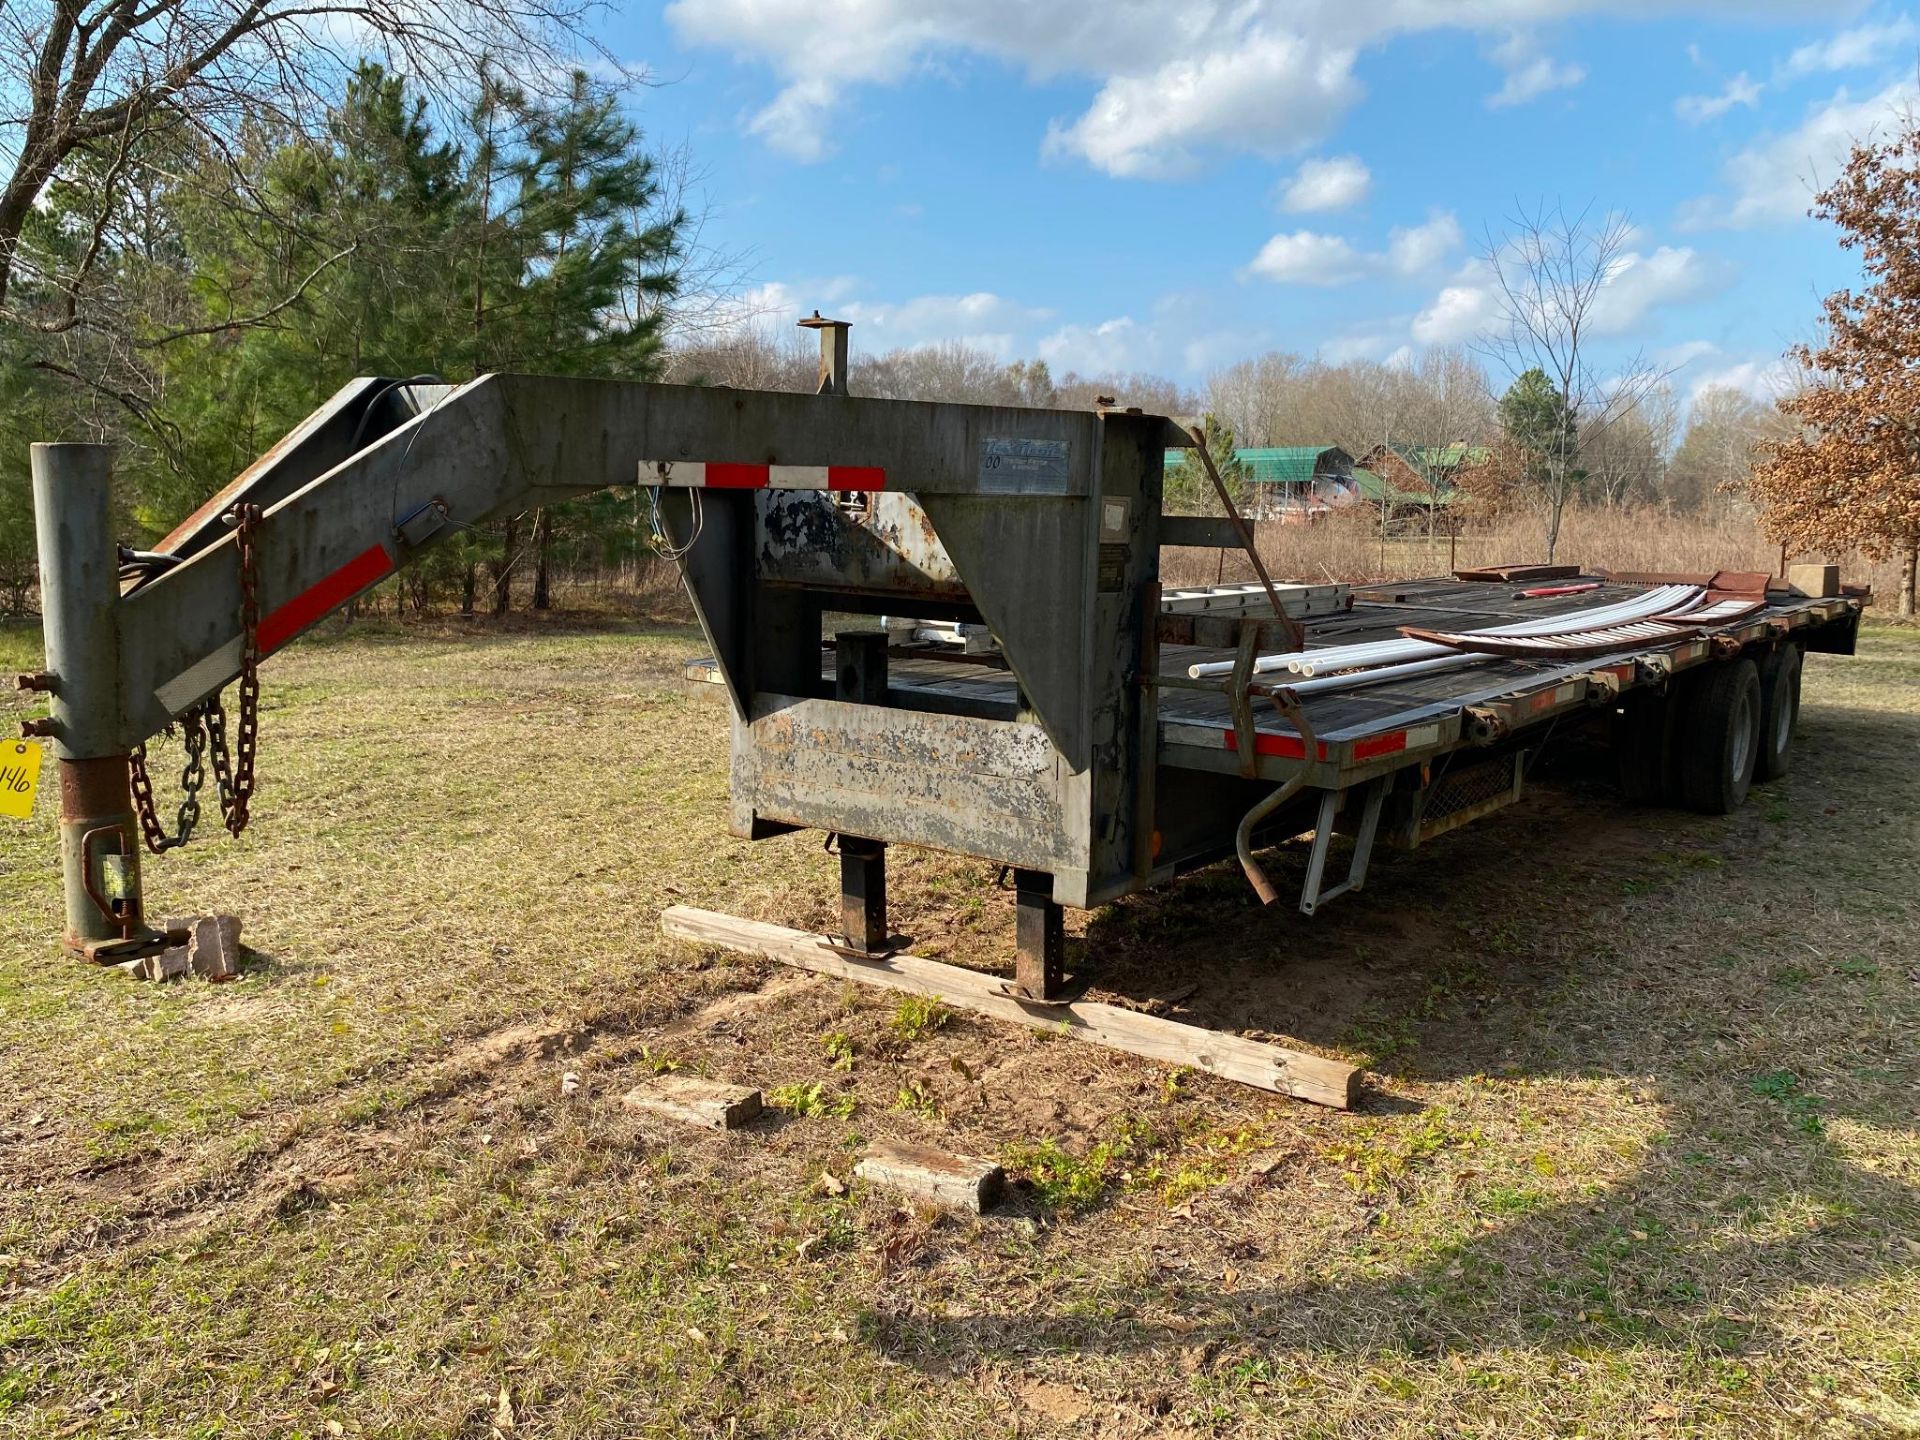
point(236, 795)
point(204, 726)
point(193, 774)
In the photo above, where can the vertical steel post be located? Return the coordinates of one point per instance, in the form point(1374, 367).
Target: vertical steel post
point(79, 589)
point(860, 666)
point(1039, 936)
point(833, 352)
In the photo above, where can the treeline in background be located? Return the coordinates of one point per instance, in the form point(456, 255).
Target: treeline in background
point(237, 275)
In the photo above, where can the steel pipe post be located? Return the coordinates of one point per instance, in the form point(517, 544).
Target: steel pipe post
point(79, 590)
point(861, 677)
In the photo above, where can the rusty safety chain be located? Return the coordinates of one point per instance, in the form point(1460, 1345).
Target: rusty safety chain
point(192, 776)
point(204, 726)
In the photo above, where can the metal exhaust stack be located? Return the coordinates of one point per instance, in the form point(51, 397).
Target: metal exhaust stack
point(79, 590)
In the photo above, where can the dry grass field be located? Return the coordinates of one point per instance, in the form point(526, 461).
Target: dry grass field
point(1637, 1155)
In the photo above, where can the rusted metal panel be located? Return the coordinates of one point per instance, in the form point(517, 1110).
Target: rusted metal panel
point(885, 543)
point(993, 788)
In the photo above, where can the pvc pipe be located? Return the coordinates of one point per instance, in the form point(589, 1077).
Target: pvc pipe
point(1452, 660)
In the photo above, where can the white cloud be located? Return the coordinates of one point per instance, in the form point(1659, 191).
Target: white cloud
point(1461, 311)
point(1112, 345)
point(1763, 380)
point(1270, 96)
point(1330, 184)
point(1529, 73)
point(1865, 45)
point(1697, 109)
point(1678, 357)
point(1383, 342)
point(1641, 284)
point(1417, 249)
point(795, 123)
point(1774, 179)
point(983, 320)
point(1172, 81)
point(1307, 258)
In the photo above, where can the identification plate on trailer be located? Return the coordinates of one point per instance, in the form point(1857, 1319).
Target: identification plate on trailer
point(19, 777)
point(1010, 466)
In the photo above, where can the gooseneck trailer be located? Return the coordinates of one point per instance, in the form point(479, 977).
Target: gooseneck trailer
point(934, 624)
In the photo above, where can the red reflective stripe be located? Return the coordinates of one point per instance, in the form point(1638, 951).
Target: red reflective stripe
point(1285, 747)
point(1380, 745)
point(736, 477)
point(281, 625)
point(856, 477)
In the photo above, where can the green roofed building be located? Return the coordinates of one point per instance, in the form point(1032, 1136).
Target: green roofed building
point(1289, 477)
point(1427, 473)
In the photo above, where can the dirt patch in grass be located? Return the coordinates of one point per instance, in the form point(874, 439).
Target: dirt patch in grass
point(1637, 1154)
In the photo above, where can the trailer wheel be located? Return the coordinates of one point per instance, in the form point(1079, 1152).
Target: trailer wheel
point(1779, 711)
point(1719, 737)
point(1643, 748)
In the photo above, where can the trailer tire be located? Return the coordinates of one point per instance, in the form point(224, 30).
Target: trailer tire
point(1719, 737)
point(1643, 748)
point(1779, 711)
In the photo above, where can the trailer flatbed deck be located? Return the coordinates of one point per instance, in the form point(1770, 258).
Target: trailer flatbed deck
point(1361, 729)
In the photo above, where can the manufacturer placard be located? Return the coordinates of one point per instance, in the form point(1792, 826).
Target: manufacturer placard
point(1013, 466)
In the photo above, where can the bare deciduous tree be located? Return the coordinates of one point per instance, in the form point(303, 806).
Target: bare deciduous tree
point(1549, 272)
point(109, 85)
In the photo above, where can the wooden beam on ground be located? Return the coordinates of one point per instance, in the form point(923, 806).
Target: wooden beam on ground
point(1269, 1067)
point(711, 1104)
point(958, 1182)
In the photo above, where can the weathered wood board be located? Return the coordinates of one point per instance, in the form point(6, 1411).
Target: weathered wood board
point(1270, 1067)
point(959, 1182)
point(711, 1104)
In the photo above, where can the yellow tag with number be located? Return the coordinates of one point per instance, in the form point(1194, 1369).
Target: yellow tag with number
point(19, 777)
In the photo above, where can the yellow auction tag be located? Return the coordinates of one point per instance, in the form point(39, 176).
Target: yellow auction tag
point(19, 777)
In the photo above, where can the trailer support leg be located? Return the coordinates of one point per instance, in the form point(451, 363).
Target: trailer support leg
point(860, 676)
point(1312, 897)
point(1039, 964)
point(863, 893)
point(79, 588)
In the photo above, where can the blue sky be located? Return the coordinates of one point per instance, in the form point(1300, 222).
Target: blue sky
point(1170, 185)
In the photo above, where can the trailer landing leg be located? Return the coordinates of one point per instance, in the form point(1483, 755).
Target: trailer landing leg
point(1270, 1067)
point(1039, 963)
point(863, 893)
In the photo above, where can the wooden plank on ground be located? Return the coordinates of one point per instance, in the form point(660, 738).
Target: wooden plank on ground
point(1269, 1067)
point(712, 1104)
point(959, 1182)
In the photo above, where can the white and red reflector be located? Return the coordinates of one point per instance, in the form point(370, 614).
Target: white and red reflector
point(721, 475)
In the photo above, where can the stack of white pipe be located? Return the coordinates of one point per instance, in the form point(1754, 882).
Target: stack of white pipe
point(1403, 657)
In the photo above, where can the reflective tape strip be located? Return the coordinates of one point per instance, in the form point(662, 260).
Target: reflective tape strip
point(201, 678)
point(1377, 745)
point(1284, 747)
point(280, 625)
point(716, 475)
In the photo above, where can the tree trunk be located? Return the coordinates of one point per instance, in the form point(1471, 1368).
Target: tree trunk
point(503, 569)
point(469, 586)
point(543, 552)
point(1908, 565)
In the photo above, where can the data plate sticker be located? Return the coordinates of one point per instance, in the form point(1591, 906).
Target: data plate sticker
point(1024, 467)
point(19, 777)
